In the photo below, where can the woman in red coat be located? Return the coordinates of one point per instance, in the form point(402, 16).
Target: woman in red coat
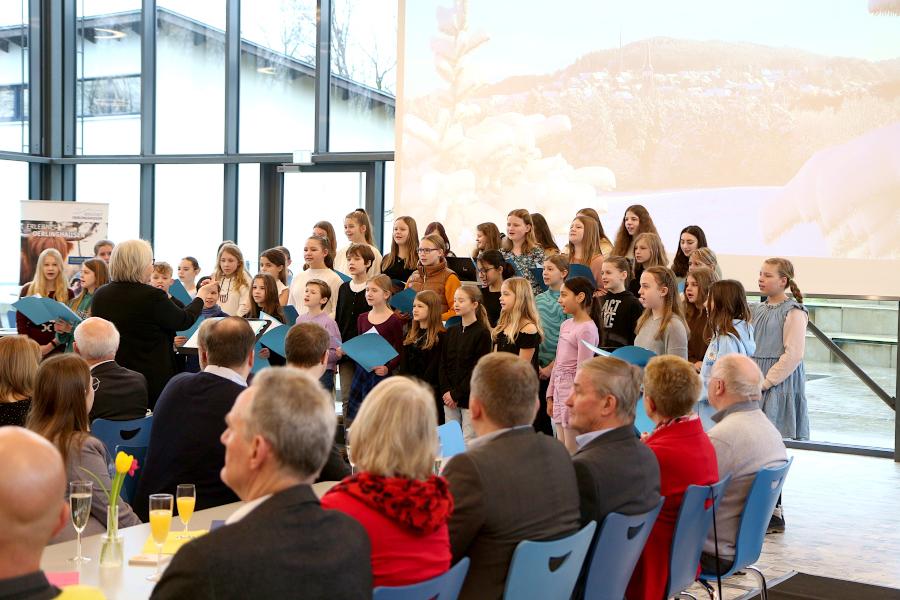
point(686, 457)
point(394, 495)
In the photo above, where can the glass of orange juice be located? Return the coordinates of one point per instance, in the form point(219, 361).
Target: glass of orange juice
point(186, 499)
point(160, 523)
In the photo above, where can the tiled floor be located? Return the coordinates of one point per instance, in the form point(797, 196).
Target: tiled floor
point(843, 521)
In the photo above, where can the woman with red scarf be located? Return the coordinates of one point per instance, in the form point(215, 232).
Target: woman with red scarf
point(686, 457)
point(394, 495)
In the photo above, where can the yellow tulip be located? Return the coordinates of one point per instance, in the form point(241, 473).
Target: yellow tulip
point(123, 462)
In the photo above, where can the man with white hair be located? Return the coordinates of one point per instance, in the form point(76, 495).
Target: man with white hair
point(745, 442)
point(119, 393)
point(281, 543)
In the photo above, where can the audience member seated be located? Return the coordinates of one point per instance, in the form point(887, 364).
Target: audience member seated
point(121, 393)
point(686, 457)
point(512, 484)
point(307, 348)
point(20, 357)
point(189, 418)
point(615, 471)
point(63, 395)
point(402, 505)
point(745, 441)
point(33, 509)
point(281, 543)
point(144, 315)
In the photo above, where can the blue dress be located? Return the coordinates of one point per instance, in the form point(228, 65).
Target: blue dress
point(785, 403)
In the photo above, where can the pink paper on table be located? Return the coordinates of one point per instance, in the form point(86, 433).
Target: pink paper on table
point(62, 578)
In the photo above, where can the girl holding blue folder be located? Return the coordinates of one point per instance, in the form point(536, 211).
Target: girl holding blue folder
point(94, 273)
point(48, 282)
point(389, 326)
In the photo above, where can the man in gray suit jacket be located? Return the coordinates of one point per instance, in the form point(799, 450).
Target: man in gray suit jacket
point(512, 484)
point(616, 472)
point(280, 543)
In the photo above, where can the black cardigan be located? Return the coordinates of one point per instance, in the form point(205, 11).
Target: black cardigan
point(146, 320)
point(462, 348)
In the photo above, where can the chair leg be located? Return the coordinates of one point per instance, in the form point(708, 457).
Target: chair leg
point(688, 594)
point(709, 589)
point(763, 588)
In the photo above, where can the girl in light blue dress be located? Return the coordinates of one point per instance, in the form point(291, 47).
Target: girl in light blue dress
point(780, 334)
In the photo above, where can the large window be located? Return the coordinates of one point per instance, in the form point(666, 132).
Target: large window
point(108, 80)
point(190, 77)
point(118, 186)
point(14, 75)
point(312, 197)
point(278, 63)
point(188, 213)
point(363, 75)
point(248, 213)
point(14, 176)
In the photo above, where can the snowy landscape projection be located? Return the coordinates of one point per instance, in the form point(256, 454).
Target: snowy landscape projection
point(775, 140)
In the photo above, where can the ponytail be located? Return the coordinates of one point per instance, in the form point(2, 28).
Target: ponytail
point(786, 270)
point(474, 294)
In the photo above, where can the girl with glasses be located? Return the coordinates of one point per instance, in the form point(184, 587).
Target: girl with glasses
point(492, 271)
point(433, 273)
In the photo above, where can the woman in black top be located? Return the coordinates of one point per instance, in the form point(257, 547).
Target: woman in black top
point(20, 357)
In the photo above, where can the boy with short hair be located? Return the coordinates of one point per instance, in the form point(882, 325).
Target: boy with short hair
point(316, 295)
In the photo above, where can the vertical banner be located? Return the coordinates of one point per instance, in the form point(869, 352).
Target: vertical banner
point(70, 227)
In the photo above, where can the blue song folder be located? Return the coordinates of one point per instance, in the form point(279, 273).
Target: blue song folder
point(43, 310)
point(259, 363)
point(190, 330)
point(344, 277)
point(538, 274)
point(273, 338)
point(579, 270)
point(595, 349)
point(369, 350)
point(403, 301)
point(176, 290)
point(290, 313)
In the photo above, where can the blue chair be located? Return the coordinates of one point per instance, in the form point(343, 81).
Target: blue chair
point(691, 528)
point(135, 432)
point(130, 484)
point(751, 532)
point(11, 319)
point(442, 587)
point(615, 553)
point(451, 436)
point(548, 570)
point(641, 421)
point(634, 354)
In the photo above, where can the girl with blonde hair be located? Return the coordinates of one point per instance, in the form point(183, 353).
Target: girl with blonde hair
point(358, 229)
point(401, 261)
point(649, 251)
point(233, 280)
point(49, 282)
point(661, 329)
point(518, 329)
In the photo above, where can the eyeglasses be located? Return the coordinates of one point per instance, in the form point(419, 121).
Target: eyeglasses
point(483, 271)
point(426, 250)
point(95, 383)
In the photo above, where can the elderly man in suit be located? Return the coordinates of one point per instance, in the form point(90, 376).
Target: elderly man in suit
point(615, 471)
point(280, 543)
point(121, 393)
point(512, 484)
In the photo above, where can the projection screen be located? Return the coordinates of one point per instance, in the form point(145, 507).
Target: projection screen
point(773, 125)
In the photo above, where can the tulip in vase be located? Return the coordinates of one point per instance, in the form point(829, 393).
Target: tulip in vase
point(111, 551)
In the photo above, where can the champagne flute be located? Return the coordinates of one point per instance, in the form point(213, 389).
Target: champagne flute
point(80, 493)
point(160, 523)
point(186, 499)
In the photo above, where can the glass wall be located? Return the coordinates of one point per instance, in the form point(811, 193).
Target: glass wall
point(14, 75)
point(118, 186)
point(312, 197)
point(278, 68)
point(14, 176)
point(190, 77)
point(248, 213)
point(108, 79)
point(188, 213)
point(364, 75)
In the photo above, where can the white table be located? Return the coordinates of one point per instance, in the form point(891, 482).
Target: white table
point(125, 582)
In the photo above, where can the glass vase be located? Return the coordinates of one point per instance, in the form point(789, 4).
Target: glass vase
point(112, 550)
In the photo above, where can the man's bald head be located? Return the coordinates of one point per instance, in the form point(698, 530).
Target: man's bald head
point(32, 496)
point(96, 340)
point(734, 378)
point(228, 342)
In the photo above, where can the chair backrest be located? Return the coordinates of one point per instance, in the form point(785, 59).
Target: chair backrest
point(130, 484)
point(758, 509)
point(615, 553)
point(691, 528)
point(451, 436)
point(442, 587)
point(634, 355)
point(548, 570)
point(135, 432)
point(641, 421)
